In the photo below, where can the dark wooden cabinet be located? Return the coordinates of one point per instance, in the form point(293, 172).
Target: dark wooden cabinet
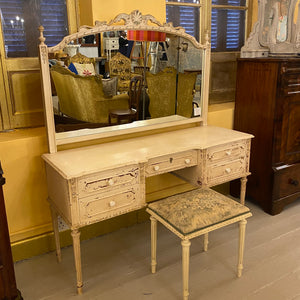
point(268, 106)
point(8, 288)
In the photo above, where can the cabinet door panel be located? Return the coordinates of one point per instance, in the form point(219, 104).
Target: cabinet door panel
point(290, 143)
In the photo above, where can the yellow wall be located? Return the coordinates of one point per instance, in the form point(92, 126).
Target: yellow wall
point(25, 191)
point(107, 10)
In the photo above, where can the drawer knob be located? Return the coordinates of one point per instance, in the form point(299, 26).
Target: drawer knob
point(187, 161)
point(112, 203)
point(227, 170)
point(156, 168)
point(228, 153)
point(293, 182)
point(111, 182)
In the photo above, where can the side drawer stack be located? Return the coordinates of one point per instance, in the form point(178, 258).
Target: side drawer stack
point(226, 162)
point(107, 194)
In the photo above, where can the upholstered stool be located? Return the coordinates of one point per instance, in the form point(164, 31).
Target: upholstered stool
point(192, 214)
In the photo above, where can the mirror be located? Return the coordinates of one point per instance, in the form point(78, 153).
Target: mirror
point(276, 32)
point(110, 78)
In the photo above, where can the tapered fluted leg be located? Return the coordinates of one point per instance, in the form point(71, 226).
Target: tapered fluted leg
point(56, 233)
point(205, 242)
point(77, 257)
point(185, 267)
point(153, 243)
point(243, 190)
point(242, 231)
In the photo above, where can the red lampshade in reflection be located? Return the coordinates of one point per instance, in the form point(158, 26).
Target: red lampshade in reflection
point(146, 36)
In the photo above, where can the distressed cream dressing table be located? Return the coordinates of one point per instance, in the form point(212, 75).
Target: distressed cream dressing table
point(93, 183)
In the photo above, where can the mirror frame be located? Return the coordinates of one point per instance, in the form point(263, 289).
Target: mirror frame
point(122, 22)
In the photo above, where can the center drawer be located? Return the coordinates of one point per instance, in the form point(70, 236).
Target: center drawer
point(171, 162)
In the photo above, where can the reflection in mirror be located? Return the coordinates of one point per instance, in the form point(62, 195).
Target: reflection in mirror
point(111, 79)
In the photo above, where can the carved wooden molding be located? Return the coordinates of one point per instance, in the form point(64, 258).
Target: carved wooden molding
point(133, 21)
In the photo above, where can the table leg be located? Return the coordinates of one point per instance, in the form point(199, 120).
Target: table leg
point(56, 233)
point(243, 190)
point(205, 242)
point(242, 231)
point(153, 243)
point(185, 267)
point(77, 257)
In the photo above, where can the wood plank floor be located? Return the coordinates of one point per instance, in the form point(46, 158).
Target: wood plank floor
point(116, 266)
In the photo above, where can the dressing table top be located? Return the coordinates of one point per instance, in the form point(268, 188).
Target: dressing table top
point(81, 161)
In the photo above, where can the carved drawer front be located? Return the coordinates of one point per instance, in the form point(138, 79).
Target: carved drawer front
point(172, 162)
point(227, 152)
point(226, 171)
point(287, 181)
point(105, 206)
point(111, 180)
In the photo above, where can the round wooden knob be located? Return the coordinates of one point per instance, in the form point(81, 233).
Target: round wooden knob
point(187, 161)
point(111, 181)
point(294, 182)
point(227, 170)
point(156, 168)
point(112, 203)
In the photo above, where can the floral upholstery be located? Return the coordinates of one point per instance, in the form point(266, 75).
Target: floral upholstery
point(195, 210)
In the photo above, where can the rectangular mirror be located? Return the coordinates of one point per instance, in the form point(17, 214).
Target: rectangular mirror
point(109, 78)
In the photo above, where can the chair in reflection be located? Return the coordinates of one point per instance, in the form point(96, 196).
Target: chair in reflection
point(162, 93)
point(120, 66)
point(132, 112)
point(185, 94)
point(83, 98)
point(81, 59)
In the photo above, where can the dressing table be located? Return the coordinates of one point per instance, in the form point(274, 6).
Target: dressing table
point(91, 183)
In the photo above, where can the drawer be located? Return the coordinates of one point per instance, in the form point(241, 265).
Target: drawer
point(224, 172)
point(286, 181)
point(291, 84)
point(226, 152)
point(101, 207)
point(170, 163)
point(110, 180)
point(112, 44)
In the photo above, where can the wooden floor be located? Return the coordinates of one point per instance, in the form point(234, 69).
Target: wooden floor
point(117, 266)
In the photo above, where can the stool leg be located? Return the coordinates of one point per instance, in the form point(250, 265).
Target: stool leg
point(242, 230)
point(185, 267)
point(153, 243)
point(205, 242)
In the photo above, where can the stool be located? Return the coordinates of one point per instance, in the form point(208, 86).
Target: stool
point(192, 214)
